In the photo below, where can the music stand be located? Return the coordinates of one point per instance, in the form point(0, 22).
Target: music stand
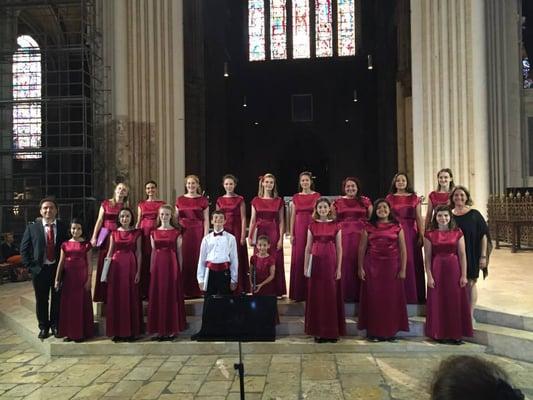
point(238, 319)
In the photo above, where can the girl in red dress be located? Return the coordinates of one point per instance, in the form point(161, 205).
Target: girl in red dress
point(166, 307)
point(352, 211)
point(73, 276)
point(146, 221)
point(124, 307)
point(382, 263)
point(234, 209)
point(442, 194)
point(448, 310)
point(405, 206)
point(268, 219)
point(192, 210)
point(324, 307)
point(302, 206)
point(263, 270)
point(107, 217)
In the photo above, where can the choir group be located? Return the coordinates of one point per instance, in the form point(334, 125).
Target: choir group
point(346, 250)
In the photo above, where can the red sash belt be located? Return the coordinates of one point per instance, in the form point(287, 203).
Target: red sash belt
point(218, 266)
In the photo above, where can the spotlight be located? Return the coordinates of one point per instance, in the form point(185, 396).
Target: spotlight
point(369, 60)
point(244, 104)
point(355, 96)
point(226, 73)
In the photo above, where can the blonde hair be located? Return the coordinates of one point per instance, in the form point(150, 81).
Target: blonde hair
point(331, 214)
point(261, 190)
point(197, 180)
point(173, 220)
point(125, 202)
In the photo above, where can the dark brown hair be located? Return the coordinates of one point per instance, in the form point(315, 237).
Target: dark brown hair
point(374, 216)
point(230, 176)
point(449, 172)
point(218, 212)
point(440, 208)
point(471, 378)
point(308, 174)
point(262, 237)
point(132, 222)
point(331, 213)
point(468, 197)
point(408, 188)
point(48, 199)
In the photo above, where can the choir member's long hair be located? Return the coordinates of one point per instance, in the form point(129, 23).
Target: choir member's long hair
point(374, 216)
point(309, 174)
point(357, 182)
point(331, 214)
point(197, 180)
point(464, 189)
point(132, 222)
point(441, 208)
point(173, 220)
point(449, 172)
point(125, 202)
point(261, 190)
point(393, 189)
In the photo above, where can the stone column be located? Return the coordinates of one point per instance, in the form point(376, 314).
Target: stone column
point(449, 80)
point(147, 103)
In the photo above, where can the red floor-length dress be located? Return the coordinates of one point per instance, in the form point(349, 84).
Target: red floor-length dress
point(404, 209)
point(231, 207)
point(447, 309)
point(324, 308)
point(267, 223)
point(149, 210)
point(382, 307)
point(124, 306)
point(262, 272)
point(76, 310)
point(303, 205)
point(191, 218)
point(352, 215)
point(166, 307)
point(110, 222)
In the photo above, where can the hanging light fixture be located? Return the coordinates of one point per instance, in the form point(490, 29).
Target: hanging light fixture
point(355, 96)
point(369, 62)
point(244, 104)
point(226, 72)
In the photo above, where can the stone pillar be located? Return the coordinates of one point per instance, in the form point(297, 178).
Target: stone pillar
point(449, 79)
point(145, 54)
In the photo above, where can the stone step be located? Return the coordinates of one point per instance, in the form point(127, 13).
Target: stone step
point(500, 340)
point(499, 318)
point(282, 345)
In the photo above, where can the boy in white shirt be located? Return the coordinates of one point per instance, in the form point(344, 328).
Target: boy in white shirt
point(218, 262)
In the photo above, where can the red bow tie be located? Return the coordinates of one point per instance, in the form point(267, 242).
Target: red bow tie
point(218, 234)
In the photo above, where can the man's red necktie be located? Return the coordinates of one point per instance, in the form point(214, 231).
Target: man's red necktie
point(50, 246)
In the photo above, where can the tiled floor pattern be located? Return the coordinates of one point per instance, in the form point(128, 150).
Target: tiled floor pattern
point(26, 374)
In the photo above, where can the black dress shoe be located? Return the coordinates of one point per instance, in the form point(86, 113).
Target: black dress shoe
point(43, 334)
point(55, 332)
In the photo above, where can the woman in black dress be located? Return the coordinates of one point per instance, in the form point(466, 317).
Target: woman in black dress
point(475, 231)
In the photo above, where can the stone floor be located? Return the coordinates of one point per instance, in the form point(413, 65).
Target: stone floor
point(26, 374)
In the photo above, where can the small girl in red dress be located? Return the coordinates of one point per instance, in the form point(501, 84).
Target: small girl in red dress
point(192, 210)
point(263, 269)
point(234, 209)
point(382, 263)
point(448, 309)
point(105, 224)
point(442, 194)
point(146, 221)
point(324, 307)
point(302, 206)
point(166, 307)
point(124, 307)
point(73, 276)
point(268, 218)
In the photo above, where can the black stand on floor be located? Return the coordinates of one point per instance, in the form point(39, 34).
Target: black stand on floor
point(238, 319)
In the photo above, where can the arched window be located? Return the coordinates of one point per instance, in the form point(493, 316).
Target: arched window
point(282, 29)
point(27, 96)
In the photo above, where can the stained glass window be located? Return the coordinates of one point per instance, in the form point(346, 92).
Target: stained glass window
point(256, 29)
point(300, 29)
point(346, 27)
point(278, 29)
point(27, 95)
point(324, 28)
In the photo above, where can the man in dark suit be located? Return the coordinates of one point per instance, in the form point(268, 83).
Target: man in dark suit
point(40, 249)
